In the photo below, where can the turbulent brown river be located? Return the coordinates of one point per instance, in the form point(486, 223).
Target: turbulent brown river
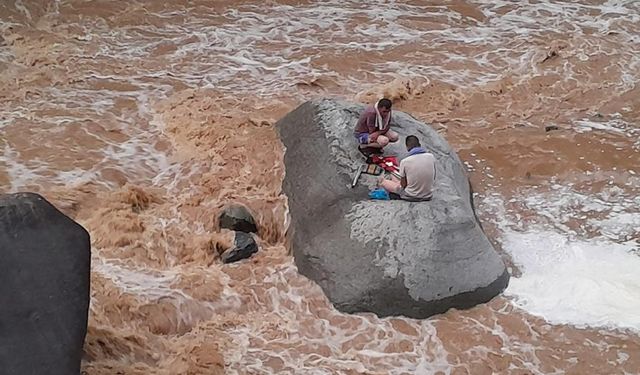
point(141, 119)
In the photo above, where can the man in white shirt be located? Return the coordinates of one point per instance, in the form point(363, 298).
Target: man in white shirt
point(417, 174)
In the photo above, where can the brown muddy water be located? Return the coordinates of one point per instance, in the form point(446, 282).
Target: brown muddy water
point(142, 119)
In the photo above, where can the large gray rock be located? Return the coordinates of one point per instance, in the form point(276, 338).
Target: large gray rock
point(386, 257)
point(44, 288)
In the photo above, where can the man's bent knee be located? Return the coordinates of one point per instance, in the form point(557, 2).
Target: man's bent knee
point(382, 140)
point(393, 136)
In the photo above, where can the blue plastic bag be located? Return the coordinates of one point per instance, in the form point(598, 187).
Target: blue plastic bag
point(379, 194)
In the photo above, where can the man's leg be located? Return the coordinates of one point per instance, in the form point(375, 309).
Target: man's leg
point(366, 141)
point(372, 145)
point(392, 185)
point(392, 136)
point(380, 142)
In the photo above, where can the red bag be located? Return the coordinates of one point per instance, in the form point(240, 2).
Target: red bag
point(388, 163)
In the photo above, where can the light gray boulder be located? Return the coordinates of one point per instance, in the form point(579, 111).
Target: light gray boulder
point(394, 257)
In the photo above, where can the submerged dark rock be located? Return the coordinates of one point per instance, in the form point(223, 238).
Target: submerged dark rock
point(244, 246)
point(237, 217)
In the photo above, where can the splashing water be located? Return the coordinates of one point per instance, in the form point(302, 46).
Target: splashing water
point(142, 119)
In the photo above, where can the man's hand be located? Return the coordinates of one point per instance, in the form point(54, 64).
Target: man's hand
point(373, 137)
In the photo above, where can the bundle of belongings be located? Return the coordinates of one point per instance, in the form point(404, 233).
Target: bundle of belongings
point(375, 166)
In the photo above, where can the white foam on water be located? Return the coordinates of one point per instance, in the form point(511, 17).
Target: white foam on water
point(234, 50)
point(19, 174)
point(584, 283)
point(611, 212)
point(5, 53)
point(136, 157)
point(585, 125)
point(566, 277)
point(150, 285)
point(293, 310)
point(621, 225)
point(19, 5)
point(615, 124)
point(153, 285)
point(264, 50)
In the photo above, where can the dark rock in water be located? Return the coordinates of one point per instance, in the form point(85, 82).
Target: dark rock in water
point(549, 128)
point(237, 217)
point(45, 261)
point(244, 247)
point(387, 257)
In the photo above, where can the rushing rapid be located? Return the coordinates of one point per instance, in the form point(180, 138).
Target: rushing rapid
point(142, 119)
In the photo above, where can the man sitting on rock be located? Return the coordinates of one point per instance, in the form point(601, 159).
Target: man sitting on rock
point(373, 128)
point(417, 174)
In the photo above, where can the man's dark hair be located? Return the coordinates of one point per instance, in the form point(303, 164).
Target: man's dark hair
point(411, 142)
point(384, 103)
